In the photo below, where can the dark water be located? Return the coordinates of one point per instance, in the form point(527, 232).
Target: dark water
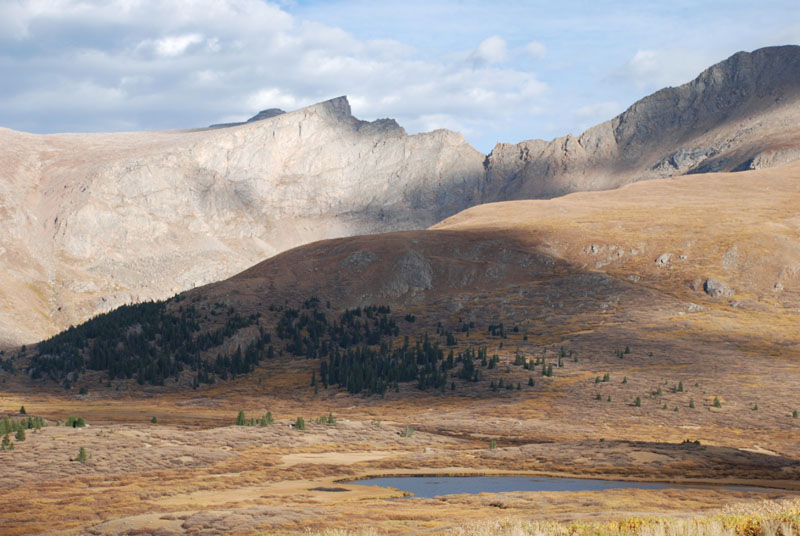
point(433, 486)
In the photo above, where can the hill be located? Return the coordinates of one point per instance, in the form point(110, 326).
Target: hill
point(650, 266)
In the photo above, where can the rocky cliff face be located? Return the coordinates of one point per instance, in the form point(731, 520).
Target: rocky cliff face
point(92, 221)
point(743, 113)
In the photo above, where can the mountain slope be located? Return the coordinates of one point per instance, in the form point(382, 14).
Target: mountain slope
point(742, 113)
point(92, 221)
point(643, 251)
point(648, 284)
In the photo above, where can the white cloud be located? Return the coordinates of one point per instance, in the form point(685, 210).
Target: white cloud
point(654, 69)
point(175, 45)
point(490, 51)
point(273, 98)
point(172, 64)
point(535, 50)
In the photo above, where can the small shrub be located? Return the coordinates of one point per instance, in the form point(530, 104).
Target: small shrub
point(75, 422)
point(300, 423)
point(154, 420)
point(82, 456)
point(492, 444)
point(20, 435)
point(327, 420)
point(638, 402)
point(794, 414)
point(691, 403)
point(22, 410)
point(717, 403)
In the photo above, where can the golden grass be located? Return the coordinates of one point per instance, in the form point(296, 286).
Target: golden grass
point(768, 518)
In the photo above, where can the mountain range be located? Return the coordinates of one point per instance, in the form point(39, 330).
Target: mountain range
point(94, 221)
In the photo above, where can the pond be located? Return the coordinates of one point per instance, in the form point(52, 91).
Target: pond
point(433, 486)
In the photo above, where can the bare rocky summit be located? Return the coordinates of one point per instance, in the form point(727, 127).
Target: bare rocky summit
point(742, 113)
point(263, 114)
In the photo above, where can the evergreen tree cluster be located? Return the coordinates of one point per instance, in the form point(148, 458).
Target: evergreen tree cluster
point(263, 421)
point(309, 332)
point(7, 365)
point(75, 422)
point(497, 330)
point(146, 342)
point(14, 426)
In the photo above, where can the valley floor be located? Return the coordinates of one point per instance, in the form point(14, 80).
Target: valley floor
point(195, 472)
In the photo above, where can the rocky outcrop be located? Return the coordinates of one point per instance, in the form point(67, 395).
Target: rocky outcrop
point(93, 221)
point(717, 289)
point(743, 113)
point(263, 114)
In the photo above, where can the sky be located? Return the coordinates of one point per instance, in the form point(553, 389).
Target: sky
point(501, 71)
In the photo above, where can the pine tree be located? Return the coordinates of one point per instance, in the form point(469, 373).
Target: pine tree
point(691, 403)
point(794, 414)
point(240, 419)
point(638, 402)
point(717, 403)
point(20, 435)
point(154, 420)
point(300, 423)
point(22, 410)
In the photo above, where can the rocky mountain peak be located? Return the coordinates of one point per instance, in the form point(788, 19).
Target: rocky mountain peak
point(266, 114)
point(741, 113)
